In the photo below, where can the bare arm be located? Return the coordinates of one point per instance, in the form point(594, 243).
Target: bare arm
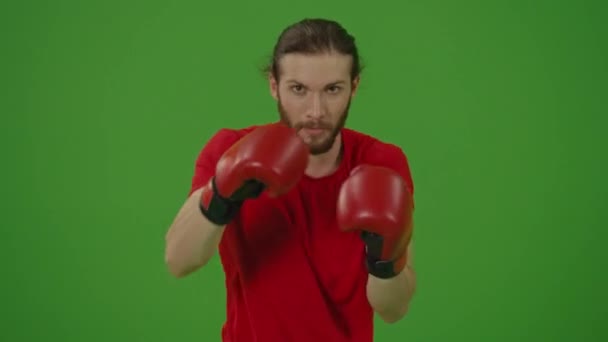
point(191, 240)
point(390, 298)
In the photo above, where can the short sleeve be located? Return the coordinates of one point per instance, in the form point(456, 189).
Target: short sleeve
point(391, 156)
point(209, 156)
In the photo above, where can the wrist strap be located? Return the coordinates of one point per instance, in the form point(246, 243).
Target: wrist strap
point(383, 269)
point(215, 208)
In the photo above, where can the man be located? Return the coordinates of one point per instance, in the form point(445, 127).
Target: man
point(313, 221)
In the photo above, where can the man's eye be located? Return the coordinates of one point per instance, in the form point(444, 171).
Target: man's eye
point(297, 88)
point(333, 89)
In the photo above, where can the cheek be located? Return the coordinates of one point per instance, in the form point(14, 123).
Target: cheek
point(337, 104)
point(293, 105)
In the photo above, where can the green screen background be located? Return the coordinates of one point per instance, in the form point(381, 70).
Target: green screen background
point(500, 107)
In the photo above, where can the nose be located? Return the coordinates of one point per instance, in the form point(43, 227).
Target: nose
point(317, 107)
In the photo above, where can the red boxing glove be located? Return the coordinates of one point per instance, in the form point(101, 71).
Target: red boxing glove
point(270, 157)
point(376, 201)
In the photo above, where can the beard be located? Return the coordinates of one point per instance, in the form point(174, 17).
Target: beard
point(321, 145)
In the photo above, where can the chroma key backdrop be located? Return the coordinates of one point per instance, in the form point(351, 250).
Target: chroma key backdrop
point(500, 107)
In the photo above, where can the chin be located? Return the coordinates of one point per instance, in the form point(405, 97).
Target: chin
point(320, 148)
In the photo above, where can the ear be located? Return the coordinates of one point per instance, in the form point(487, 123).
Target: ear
point(355, 86)
point(274, 86)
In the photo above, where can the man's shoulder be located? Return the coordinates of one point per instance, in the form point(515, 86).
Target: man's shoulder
point(367, 149)
point(227, 136)
point(227, 132)
point(364, 143)
point(220, 140)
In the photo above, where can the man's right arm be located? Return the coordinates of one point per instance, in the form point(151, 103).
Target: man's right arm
point(271, 158)
point(191, 240)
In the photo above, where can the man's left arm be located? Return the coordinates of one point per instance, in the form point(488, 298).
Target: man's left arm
point(377, 200)
point(390, 298)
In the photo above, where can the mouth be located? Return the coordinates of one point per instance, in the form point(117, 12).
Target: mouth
point(313, 131)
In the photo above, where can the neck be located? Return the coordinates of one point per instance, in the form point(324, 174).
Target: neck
point(324, 164)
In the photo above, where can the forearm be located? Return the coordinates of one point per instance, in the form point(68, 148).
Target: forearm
point(390, 298)
point(191, 240)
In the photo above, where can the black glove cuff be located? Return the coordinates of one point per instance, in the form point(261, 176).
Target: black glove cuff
point(383, 269)
point(220, 210)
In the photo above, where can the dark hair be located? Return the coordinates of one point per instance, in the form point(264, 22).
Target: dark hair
point(310, 36)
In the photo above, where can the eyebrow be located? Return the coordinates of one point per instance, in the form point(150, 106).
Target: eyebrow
point(329, 84)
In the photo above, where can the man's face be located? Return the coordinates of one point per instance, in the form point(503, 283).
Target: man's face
point(313, 95)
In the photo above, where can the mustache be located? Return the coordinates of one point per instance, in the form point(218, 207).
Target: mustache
point(314, 125)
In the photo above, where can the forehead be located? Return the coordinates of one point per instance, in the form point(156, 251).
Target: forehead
point(316, 69)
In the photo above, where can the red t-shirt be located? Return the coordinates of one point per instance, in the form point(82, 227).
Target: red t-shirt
point(291, 275)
